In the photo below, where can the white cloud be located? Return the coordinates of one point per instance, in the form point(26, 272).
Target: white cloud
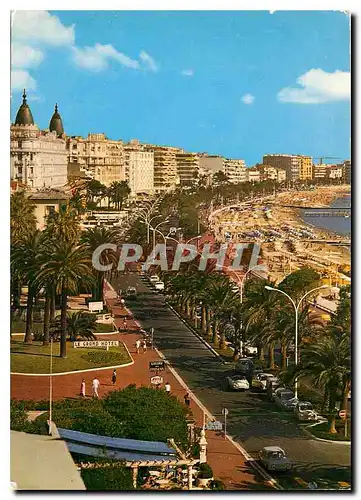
point(187, 72)
point(96, 58)
point(148, 61)
point(318, 86)
point(24, 56)
point(20, 79)
point(40, 26)
point(248, 99)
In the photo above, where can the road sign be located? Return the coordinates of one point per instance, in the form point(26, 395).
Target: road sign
point(155, 366)
point(96, 343)
point(225, 411)
point(214, 426)
point(157, 380)
point(342, 413)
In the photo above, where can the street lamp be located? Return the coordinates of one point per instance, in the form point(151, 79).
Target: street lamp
point(154, 229)
point(51, 386)
point(296, 307)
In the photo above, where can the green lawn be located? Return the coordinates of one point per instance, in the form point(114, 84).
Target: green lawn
point(105, 328)
point(35, 358)
point(321, 431)
point(19, 326)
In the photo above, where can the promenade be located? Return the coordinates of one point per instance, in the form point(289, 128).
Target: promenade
point(225, 458)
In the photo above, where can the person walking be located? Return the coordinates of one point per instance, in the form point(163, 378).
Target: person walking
point(187, 400)
point(137, 345)
point(82, 388)
point(125, 324)
point(144, 345)
point(95, 387)
point(167, 387)
point(114, 377)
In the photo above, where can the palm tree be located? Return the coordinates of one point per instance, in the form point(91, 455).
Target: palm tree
point(22, 217)
point(93, 238)
point(78, 324)
point(67, 266)
point(328, 364)
point(63, 225)
point(118, 192)
point(24, 260)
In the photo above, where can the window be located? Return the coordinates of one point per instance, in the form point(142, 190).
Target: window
point(20, 170)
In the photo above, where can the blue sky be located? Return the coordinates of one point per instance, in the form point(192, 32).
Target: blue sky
point(221, 82)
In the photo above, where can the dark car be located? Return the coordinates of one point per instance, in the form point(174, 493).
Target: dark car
point(245, 367)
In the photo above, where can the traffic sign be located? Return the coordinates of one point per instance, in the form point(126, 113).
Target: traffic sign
point(214, 426)
point(155, 366)
point(225, 411)
point(157, 380)
point(342, 413)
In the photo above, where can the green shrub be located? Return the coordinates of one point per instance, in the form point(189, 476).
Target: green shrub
point(17, 416)
point(106, 357)
point(115, 478)
point(205, 471)
point(217, 484)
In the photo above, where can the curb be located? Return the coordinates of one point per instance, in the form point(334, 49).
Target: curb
point(215, 353)
point(347, 443)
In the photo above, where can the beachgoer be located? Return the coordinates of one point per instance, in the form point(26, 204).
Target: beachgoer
point(125, 323)
point(114, 377)
point(144, 345)
point(95, 387)
point(137, 345)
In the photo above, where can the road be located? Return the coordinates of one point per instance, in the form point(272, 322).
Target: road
point(252, 420)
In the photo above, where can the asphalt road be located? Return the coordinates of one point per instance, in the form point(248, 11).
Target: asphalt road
point(252, 420)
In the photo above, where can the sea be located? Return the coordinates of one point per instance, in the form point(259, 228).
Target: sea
point(339, 225)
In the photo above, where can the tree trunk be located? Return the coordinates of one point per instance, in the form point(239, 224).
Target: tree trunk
point(188, 308)
point(208, 324)
point(64, 301)
point(261, 352)
point(345, 396)
point(332, 424)
point(204, 319)
point(271, 356)
point(52, 306)
point(47, 319)
point(284, 356)
point(29, 316)
point(222, 342)
point(215, 331)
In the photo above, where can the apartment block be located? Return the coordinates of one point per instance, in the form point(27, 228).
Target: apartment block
point(187, 167)
point(165, 166)
point(296, 166)
point(235, 170)
point(346, 171)
point(211, 163)
point(103, 158)
point(253, 175)
point(139, 168)
point(334, 172)
point(319, 171)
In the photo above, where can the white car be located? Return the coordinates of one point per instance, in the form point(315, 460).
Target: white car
point(273, 458)
point(260, 381)
point(159, 285)
point(305, 412)
point(154, 278)
point(237, 383)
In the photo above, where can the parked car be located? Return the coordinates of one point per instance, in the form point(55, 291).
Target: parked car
point(304, 411)
point(159, 285)
point(250, 350)
point(245, 367)
point(290, 404)
point(281, 395)
point(154, 278)
point(131, 293)
point(260, 380)
point(237, 383)
point(273, 458)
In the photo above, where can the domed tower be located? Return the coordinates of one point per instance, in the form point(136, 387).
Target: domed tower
point(56, 124)
point(24, 116)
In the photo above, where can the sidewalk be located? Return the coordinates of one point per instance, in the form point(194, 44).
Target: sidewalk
point(227, 462)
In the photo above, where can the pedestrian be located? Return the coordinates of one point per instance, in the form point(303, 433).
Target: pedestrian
point(122, 302)
point(314, 302)
point(144, 345)
point(167, 387)
point(137, 345)
point(187, 400)
point(114, 377)
point(125, 323)
point(95, 387)
point(82, 388)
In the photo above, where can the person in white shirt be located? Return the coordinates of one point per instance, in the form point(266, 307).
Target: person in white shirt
point(167, 388)
point(137, 345)
point(95, 386)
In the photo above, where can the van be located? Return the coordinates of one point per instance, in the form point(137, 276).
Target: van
point(245, 366)
point(131, 293)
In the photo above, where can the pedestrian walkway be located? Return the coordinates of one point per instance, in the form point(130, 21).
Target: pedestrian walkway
point(226, 460)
